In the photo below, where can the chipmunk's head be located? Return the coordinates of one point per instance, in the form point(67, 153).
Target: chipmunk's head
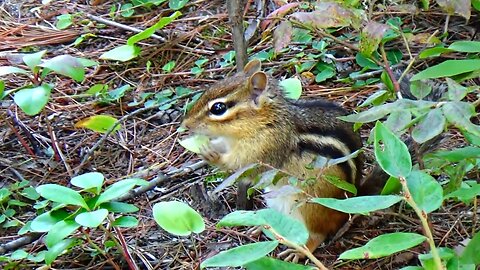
point(235, 106)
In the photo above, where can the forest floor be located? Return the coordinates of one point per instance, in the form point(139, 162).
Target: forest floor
point(147, 143)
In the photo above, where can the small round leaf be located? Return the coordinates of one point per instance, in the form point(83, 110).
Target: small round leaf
point(178, 218)
point(92, 219)
point(32, 100)
point(88, 180)
point(61, 194)
point(98, 123)
point(292, 88)
point(426, 191)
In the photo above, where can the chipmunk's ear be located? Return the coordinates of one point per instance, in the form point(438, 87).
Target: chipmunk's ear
point(258, 83)
point(253, 66)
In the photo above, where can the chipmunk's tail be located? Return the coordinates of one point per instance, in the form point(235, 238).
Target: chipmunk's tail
point(376, 179)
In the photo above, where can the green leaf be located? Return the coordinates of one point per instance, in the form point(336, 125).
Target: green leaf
point(359, 205)
point(119, 207)
point(448, 68)
point(372, 99)
point(341, 184)
point(392, 186)
point(420, 89)
point(292, 88)
point(369, 115)
point(433, 52)
point(64, 21)
point(456, 91)
point(194, 143)
point(46, 221)
point(61, 194)
point(391, 153)
point(151, 30)
point(241, 255)
point(87, 62)
point(168, 67)
point(118, 189)
point(325, 72)
point(29, 193)
point(178, 218)
point(126, 222)
point(177, 4)
point(5, 70)
point(66, 65)
point(98, 123)
point(365, 62)
point(459, 113)
point(33, 100)
point(88, 180)
point(19, 254)
point(59, 231)
point(426, 191)
point(122, 53)
point(32, 60)
point(92, 219)
point(458, 154)
point(58, 249)
point(466, 194)
point(384, 245)
point(471, 253)
point(271, 263)
point(397, 121)
point(465, 46)
point(126, 10)
point(430, 126)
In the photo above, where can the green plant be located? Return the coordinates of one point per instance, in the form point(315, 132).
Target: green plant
point(34, 95)
point(89, 208)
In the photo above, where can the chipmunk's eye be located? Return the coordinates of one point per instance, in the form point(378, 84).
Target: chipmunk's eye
point(218, 108)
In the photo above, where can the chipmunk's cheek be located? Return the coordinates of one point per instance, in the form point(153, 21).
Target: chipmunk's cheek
point(220, 144)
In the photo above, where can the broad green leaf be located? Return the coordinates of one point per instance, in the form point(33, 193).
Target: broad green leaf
point(92, 219)
point(420, 89)
point(459, 113)
point(87, 62)
point(448, 68)
point(288, 227)
point(33, 100)
point(325, 72)
point(465, 46)
point(122, 53)
point(458, 154)
point(61, 194)
point(59, 231)
point(58, 249)
point(66, 65)
point(125, 222)
point(359, 205)
point(98, 123)
point(19, 254)
point(426, 191)
point(369, 115)
point(471, 253)
point(292, 88)
point(5, 70)
point(177, 4)
point(46, 221)
point(29, 193)
point(392, 186)
point(340, 183)
point(151, 30)
point(241, 255)
point(365, 62)
point(466, 194)
point(118, 189)
point(271, 263)
point(119, 207)
point(64, 21)
point(372, 99)
point(445, 254)
point(397, 121)
point(456, 91)
point(178, 218)
point(117, 93)
point(127, 10)
point(88, 180)
point(433, 52)
point(33, 59)
point(384, 245)
point(430, 126)
point(391, 153)
point(194, 142)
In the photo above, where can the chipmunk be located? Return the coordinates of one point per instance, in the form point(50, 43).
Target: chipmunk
point(249, 120)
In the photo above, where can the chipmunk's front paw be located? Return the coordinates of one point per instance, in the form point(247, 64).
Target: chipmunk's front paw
point(291, 255)
point(209, 154)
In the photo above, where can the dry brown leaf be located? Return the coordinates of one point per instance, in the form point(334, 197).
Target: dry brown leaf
point(459, 7)
point(282, 36)
point(328, 15)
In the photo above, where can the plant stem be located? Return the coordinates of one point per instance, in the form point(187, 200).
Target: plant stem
point(423, 218)
point(303, 249)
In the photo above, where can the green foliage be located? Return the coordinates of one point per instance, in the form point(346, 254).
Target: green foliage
point(73, 209)
point(359, 205)
point(178, 218)
point(384, 245)
point(34, 96)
